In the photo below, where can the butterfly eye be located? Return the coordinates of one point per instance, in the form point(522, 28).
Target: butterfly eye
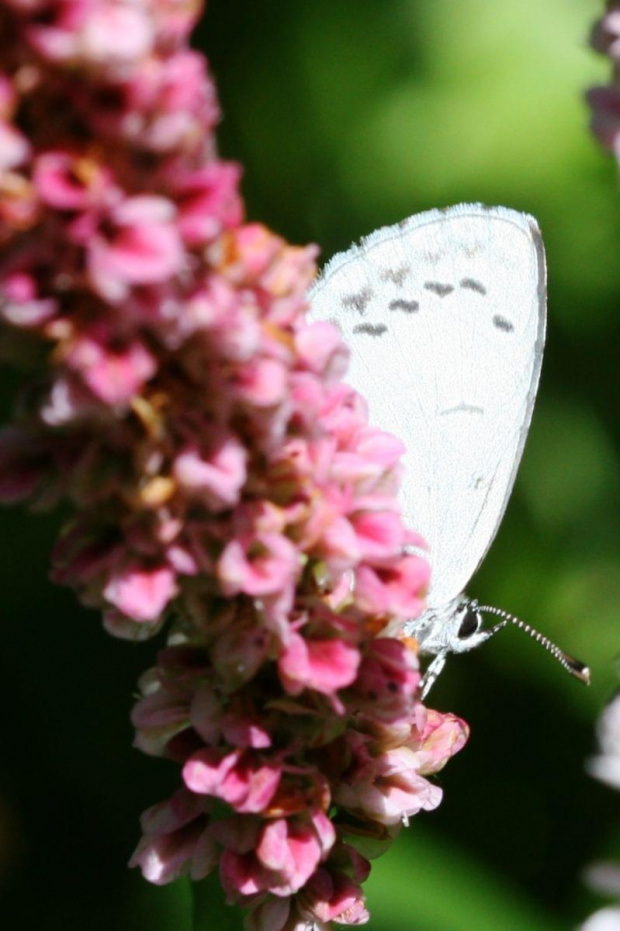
point(470, 624)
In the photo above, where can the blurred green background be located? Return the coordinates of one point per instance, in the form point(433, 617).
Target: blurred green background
point(348, 115)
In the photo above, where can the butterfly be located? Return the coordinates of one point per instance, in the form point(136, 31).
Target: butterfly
point(445, 318)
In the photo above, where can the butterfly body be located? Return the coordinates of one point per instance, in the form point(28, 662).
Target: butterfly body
point(455, 627)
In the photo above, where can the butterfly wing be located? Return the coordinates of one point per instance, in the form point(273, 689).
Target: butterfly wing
point(445, 318)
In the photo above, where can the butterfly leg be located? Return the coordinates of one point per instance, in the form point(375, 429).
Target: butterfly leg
point(432, 673)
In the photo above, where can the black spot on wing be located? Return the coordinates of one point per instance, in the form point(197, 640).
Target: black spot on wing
point(472, 285)
point(408, 307)
point(395, 275)
point(372, 329)
point(502, 324)
point(438, 288)
point(357, 301)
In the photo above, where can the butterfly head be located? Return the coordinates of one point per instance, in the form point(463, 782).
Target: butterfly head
point(454, 628)
point(458, 628)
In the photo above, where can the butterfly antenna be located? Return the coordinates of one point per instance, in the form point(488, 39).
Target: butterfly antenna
point(578, 670)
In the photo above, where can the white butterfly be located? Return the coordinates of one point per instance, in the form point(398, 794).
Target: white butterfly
point(445, 317)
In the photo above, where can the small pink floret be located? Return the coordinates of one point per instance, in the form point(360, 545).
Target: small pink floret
point(141, 594)
point(322, 665)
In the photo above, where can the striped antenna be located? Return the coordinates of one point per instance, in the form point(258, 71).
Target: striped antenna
point(578, 670)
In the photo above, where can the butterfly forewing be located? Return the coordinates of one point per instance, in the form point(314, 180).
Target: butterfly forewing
point(445, 318)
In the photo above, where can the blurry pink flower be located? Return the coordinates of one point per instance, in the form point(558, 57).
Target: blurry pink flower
point(20, 302)
point(241, 648)
point(443, 735)
point(139, 592)
point(605, 36)
point(176, 840)
point(14, 147)
point(68, 181)
point(322, 665)
point(322, 351)
point(216, 476)
point(387, 788)
point(338, 546)
point(84, 553)
point(208, 201)
point(398, 590)
point(333, 896)
point(158, 717)
point(241, 778)
point(166, 104)
point(22, 464)
point(260, 564)
point(285, 854)
point(291, 850)
point(378, 528)
point(387, 681)
point(137, 243)
point(113, 374)
point(92, 34)
point(262, 382)
point(605, 105)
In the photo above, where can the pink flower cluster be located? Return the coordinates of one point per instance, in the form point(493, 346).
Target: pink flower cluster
point(604, 101)
point(220, 475)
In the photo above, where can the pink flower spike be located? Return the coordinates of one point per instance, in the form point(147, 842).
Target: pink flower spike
point(221, 483)
point(140, 593)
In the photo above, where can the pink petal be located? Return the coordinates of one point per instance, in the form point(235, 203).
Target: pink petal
point(141, 594)
point(217, 476)
point(323, 665)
